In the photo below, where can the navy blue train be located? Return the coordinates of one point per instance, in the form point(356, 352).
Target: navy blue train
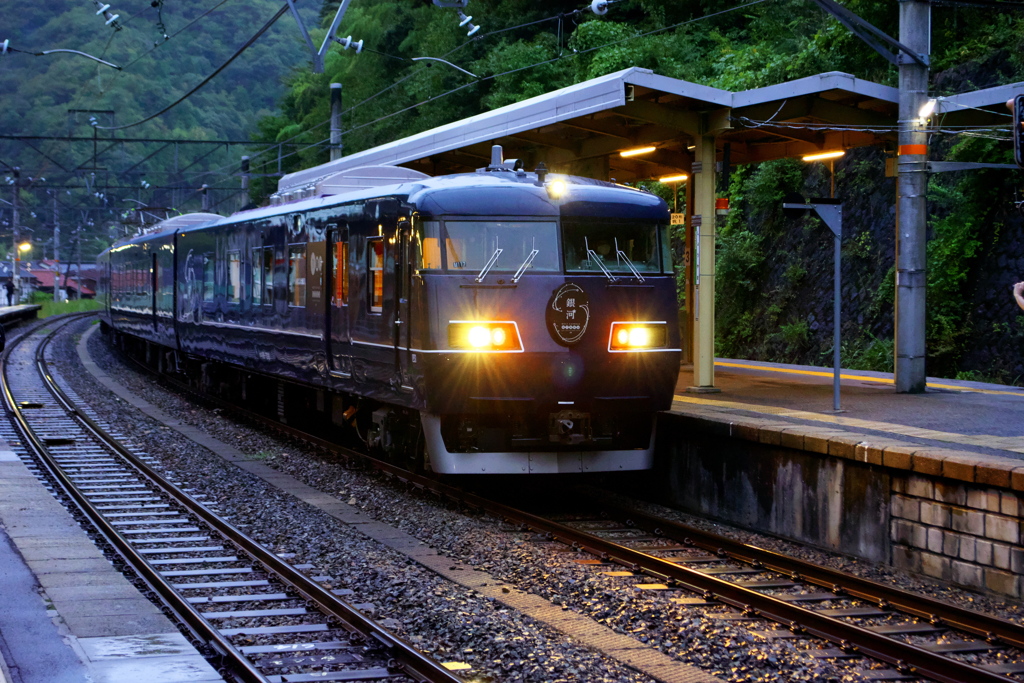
point(494, 322)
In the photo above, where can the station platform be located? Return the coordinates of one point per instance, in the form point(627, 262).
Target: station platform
point(66, 614)
point(971, 417)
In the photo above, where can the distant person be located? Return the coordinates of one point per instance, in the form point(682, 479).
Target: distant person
point(9, 286)
point(1018, 293)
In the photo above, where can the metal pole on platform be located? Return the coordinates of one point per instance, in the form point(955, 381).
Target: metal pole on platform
point(837, 309)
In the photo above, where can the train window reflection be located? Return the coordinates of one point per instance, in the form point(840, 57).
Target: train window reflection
point(470, 245)
point(268, 275)
point(297, 275)
point(375, 256)
point(615, 244)
point(208, 270)
point(234, 277)
point(257, 276)
point(340, 296)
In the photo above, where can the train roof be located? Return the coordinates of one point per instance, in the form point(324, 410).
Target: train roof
point(504, 193)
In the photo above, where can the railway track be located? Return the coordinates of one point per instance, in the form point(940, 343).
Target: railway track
point(915, 637)
point(261, 619)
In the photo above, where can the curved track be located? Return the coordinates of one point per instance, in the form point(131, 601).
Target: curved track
point(220, 585)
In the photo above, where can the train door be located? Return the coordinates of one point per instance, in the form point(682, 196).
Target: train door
point(403, 293)
point(337, 318)
point(154, 284)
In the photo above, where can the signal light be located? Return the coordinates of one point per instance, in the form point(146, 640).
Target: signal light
point(637, 336)
point(1018, 131)
point(484, 336)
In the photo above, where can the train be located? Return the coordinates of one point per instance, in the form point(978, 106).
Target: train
point(492, 322)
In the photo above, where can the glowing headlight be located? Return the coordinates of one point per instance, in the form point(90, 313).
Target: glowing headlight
point(483, 336)
point(556, 188)
point(637, 336)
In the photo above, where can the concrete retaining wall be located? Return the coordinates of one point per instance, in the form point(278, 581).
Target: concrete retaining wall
point(937, 512)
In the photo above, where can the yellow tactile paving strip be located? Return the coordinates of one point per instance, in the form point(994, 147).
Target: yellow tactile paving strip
point(865, 378)
point(1006, 443)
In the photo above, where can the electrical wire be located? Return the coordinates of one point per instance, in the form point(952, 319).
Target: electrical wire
point(208, 78)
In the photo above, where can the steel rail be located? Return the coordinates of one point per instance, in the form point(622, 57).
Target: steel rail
point(905, 657)
point(200, 630)
point(992, 629)
point(406, 657)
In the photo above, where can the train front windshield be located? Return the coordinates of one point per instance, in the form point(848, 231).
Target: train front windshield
point(472, 246)
point(587, 246)
point(593, 247)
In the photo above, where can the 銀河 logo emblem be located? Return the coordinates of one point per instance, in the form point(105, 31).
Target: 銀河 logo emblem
point(567, 314)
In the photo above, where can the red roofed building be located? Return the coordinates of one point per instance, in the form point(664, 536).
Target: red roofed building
point(46, 278)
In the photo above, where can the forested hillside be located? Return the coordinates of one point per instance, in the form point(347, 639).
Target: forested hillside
point(37, 92)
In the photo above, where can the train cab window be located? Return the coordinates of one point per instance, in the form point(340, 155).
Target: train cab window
point(592, 246)
point(431, 249)
point(340, 274)
point(471, 245)
point(234, 277)
point(209, 264)
point(375, 268)
point(297, 275)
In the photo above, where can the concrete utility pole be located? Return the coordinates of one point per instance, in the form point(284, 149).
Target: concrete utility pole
point(335, 121)
point(911, 201)
point(56, 250)
point(16, 258)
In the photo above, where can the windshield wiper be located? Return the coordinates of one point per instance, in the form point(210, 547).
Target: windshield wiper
point(526, 264)
point(490, 264)
point(621, 254)
point(591, 254)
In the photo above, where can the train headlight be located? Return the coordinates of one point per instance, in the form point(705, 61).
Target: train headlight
point(464, 335)
point(637, 336)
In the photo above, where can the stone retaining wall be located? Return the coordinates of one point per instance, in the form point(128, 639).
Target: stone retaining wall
point(948, 514)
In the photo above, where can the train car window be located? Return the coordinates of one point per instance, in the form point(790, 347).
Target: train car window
point(470, 245)
point(208, 270)
point(615, 244)
point(296, 275)
point(234, 277)
point(268, 275)
point(375, 267)
point(340, 274)
point(256, 266)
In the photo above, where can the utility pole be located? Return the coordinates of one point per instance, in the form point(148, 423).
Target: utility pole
point(56, 250)
point(78, 272)
point(335, 121)
point(911, 200)
point(16, 258)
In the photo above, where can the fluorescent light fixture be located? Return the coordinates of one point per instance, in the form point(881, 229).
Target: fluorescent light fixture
point(673, 178)
point(824, 155)
point(638, 150)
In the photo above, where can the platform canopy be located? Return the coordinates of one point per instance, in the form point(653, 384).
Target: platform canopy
point(583, 129)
